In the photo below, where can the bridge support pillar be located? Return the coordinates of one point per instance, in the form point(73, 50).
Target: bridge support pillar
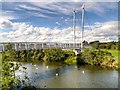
point(68, 45)
point(3, 47)
point(49, 45)
point(15, 46)
point(77, 51)
point(42, 45)
point(20, 46)
point(35, 46)
point(26, 47)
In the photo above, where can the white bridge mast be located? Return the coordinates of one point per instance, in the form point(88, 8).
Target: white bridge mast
point(74, 26)
point(83, 9)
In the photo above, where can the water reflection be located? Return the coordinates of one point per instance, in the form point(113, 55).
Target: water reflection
point(50, 73)
point(75, 76)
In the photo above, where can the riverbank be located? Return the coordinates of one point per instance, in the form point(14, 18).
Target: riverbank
point(103, 58)
point(0, 70)
point(0, 60)
point(107, 58)
point(114, 54)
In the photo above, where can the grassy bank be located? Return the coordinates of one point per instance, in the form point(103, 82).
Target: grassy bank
point(89, 56)
point(105, 58)
point(0, 70)
point(113, 52)
point(115, 55)
point(0, 60)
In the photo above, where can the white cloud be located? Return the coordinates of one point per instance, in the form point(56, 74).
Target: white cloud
point(67, 7)
point(57, 23)
point(5, 23)
point(9, 14)
point(28, 7)
point(23, 32)
point(60, 1)
point(44, 9)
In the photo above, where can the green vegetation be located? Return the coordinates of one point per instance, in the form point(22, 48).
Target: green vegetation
point(0, 70)
point(71, 60)
point(97, 57)
point(0, 60)
point(9, 47)
point(101, 57)
point(9, 80)
point(95, 44)
point(94, 56)
point(104, 54)
point(108, 45)
point(70, 57)
point(46, 55)
point(23, 55)
point(59, 55)
point(113, 52)
point(115, 56)
point(111, 47)
point(54, 55)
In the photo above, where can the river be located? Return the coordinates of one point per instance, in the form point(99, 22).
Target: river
point(74, 76)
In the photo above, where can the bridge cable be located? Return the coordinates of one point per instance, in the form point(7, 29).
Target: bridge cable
point(88, 21)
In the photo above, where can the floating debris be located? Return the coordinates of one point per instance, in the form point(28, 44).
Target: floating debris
point(47, 67)
point(75, 66)
point(83, 72)
point(56, 74)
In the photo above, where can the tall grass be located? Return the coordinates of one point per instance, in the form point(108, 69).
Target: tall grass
point(0, 60)
point(113, 52)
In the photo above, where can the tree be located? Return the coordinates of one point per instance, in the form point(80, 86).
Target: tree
point(95, 44)
point(9, 47)
point(54, 54)
point(85, 43)
point(9, 80)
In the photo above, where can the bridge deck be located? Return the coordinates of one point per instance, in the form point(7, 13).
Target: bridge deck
point(37, 45)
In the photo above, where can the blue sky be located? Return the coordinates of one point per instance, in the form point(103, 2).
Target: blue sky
point(57, 16)
point(24, 12)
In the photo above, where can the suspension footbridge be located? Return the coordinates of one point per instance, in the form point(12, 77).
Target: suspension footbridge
point(77, 47)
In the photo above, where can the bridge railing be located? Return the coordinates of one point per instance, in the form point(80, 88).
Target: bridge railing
point(27, 46)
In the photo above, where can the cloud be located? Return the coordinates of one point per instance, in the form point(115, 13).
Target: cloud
point(9, 14)
point(100, 8)
point(5, 24)
point(22, 32)
point(60, 1)
point(48, 9)
point(67, 7)
point(28, 7)
point(57, 23)
point(68, 20)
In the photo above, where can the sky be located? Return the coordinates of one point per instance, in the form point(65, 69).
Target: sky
point(53, 21)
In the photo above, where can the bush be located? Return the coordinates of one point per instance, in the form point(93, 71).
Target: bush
point(10, 81)
point(96, 57)
point(57, 55)
point(23, 55)
point(70, 57)
point(71, 60)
